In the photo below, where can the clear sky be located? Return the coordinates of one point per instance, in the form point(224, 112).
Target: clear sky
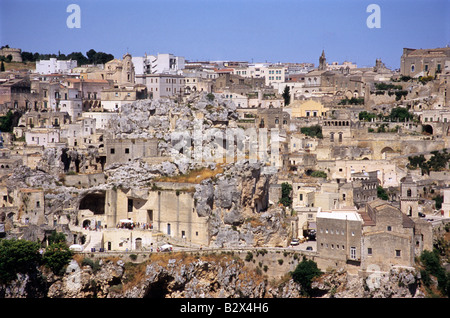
point(244, 30)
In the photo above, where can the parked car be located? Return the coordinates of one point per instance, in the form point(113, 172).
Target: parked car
point(295, 242)
point(309, 248)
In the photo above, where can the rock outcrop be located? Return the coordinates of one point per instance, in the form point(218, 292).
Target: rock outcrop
point(209, 276)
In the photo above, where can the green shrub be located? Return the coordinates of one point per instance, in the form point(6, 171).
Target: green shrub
point(57, 256)
point(318, 174)
point(304, 273)
point(17, 256)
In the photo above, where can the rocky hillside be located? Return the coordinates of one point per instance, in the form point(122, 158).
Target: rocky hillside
point(179, 275)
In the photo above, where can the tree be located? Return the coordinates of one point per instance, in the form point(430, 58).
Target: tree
point(286, 189)
point(57, 256)
point(312, 131)
point(400, 113)
point(287, 96)
point(2, 67)
point(366, 116)
point(318, 174)
point(381, 193)
point(98, 57)
point(56, 237)
point(433, 266)
point(304, 273)
point(7, 122)
point(79, 57)
point(17, 256)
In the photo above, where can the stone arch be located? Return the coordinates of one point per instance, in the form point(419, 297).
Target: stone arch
point(348, 94)
point(427, 129)
point(138, 243)
point(387, 149)
point(86, 223)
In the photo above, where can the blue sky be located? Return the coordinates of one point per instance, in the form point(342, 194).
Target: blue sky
point(244, 30)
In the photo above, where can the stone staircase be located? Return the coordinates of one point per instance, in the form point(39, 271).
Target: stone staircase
point(95, 240)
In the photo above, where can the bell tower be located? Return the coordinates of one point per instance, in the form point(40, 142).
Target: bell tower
point(322, 62)
point(409, 199)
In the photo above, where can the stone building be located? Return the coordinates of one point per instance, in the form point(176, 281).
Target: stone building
point(339, 235)
point(307, 108)
point(409, 197)
point(117, 71)
point(271, 118)
point(364, 185)
point(125, 150)
point(374, 239)
point(112, 99)
point(237, 83)
point(138, 218)
point(391, 238)
point(15, 53)
point(162, 85)
point(424, 62)
point(15, 94)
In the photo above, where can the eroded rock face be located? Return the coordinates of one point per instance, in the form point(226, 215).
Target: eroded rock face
point(233, 199)
point(219, 276)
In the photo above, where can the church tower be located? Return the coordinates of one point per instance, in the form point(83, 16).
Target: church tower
point(409, 199)
point(322, 62)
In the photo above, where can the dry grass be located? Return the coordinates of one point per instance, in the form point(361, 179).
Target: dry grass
point(19, 66)
point(193, 176)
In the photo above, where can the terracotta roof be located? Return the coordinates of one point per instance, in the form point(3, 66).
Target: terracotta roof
point(367, 221)
point(77, 80)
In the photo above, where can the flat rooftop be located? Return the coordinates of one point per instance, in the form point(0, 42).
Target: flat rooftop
point(350, 215)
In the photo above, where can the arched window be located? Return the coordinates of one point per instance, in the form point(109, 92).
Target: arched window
point(408, 193)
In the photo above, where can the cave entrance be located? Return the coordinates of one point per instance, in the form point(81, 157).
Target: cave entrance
point(428, 129)
point(94, 202)
point(86, 223)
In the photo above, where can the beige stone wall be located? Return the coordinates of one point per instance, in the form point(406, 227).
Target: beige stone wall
point(171, 212)
point(335, 238)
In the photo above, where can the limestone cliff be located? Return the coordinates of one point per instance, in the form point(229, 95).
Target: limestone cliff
point(180, 275)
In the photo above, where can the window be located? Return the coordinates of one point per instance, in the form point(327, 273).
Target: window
point(353, 252)
point(130, 205)
point(389, 228)
point(369, 251)
point(398, 253)
point(112, 151)
point(127, 150)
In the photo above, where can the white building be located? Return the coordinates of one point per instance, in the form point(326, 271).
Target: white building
point(53, 66)
point(158, 64)
point(273, 73)
point(241, 101)
point(71, 103)
point(41, 137)
point(101, 118)
point(446, 203)
point(82, 132)
point(162, 85)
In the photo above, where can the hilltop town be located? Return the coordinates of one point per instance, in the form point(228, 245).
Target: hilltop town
point(347, 165)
